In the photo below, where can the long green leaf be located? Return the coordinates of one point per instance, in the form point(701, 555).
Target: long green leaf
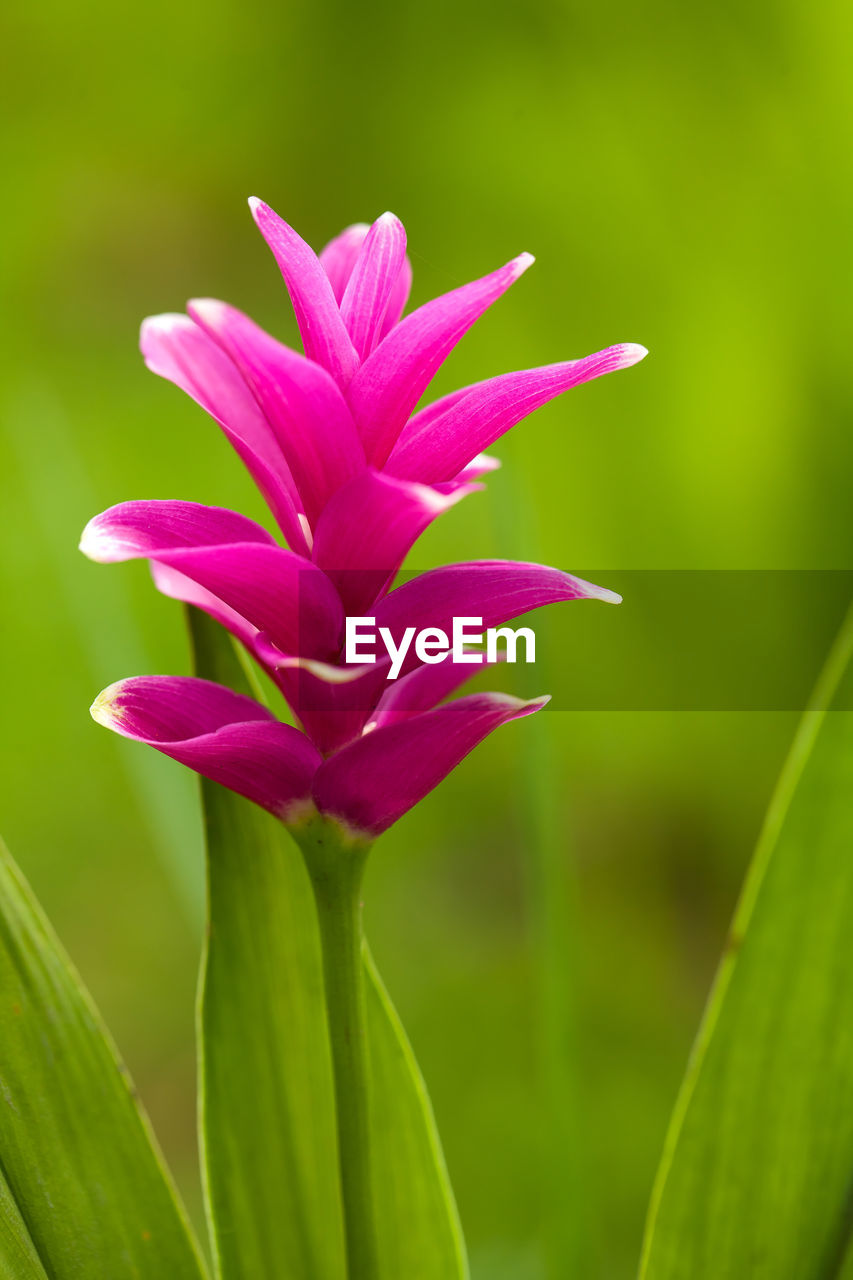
point(757, 1172)
point(18, 1257)
point(267, 1103)
point(83, 1192)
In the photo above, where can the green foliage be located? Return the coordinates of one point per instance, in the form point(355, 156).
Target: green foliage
point(83, 1193)
point(681, 172)
point(756, 1175)
point(18, 1257)
point(267, 1103)
point(419, 1233)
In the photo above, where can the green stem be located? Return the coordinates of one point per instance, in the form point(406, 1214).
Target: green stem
point(336, 876)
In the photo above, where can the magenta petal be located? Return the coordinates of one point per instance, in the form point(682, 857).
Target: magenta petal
point(494, 590)
point(375, 780)
point(368, 292)
point(340, 256)
point(278, 592)
point(332, 714)
point(178, 587)
point(223, 735)
point(424, 688)
point(324, 333)
point(132, 529)
point(398, 299)
point(392, 380)
point(433, 448)
point(367, 530)
point(176, 348)
point(264, 585)
point(482, 465)
point(300, 400)
point(437, 408)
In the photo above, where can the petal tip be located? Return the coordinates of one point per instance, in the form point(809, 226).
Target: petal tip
point(164, 323)
point(210, 309)
point(631, 353)
point(519, 265)
point(104, 710)
point(94, 543)
point(605, 594)
point(260, 210)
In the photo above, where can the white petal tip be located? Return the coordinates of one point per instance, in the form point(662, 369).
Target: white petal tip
point(165, 323)
point(94, 545)
point(103, 710)
point(632, 353)
point(210, 309)
point(602, 593)
point(520, 264)
point(260, 210)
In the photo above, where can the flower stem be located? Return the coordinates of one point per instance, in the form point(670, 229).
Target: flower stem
point(336, 876)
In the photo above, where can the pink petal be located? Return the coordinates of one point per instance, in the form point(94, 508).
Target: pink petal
point(324, 334)
point(367, 530)
point(340, 256)
point(437, 408)
point(281, 594)
point(224, 736)
point(494, 590)
point(176, 348)
point(300, 400)
point(260, 584)
point(434, 448)
point(368, 292)
point(178, 587)
point(399, 297)
point(392, 380)
point(424, 688)
point(374, 781)
point(482, 465)
point(132, 529)
point(332, 714)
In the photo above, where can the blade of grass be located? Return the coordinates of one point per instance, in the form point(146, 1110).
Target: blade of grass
point(19, 1259)
point(757, 1169)
point(90, 1192)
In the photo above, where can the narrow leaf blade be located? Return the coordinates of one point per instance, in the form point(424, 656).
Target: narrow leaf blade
point(269, 1146)
point(84, 1192)
point(18, 1257)
point(756, 1175)
point(420, 1236)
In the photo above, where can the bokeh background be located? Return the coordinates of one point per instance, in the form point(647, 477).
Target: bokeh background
point(548, 921)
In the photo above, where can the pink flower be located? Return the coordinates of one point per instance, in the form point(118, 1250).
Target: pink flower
point(352, 476)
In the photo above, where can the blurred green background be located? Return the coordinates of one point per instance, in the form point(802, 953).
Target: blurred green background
point(549, 921)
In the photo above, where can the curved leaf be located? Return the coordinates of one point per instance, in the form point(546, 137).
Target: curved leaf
point(419, 1232)
point(269, 1146)
point(757, 1172)
point(83, 1191)
point(18, 1257)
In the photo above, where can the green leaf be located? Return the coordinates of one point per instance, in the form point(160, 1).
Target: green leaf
point(419, 1232)
point(18, 1257)
point(83, 1192)
point(757, 1172)
point(269, 1147)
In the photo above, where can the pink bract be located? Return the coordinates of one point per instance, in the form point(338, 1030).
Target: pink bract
point(352, 474)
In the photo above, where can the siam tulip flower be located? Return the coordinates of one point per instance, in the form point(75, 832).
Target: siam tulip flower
point(353, 477)
point(353, 473)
